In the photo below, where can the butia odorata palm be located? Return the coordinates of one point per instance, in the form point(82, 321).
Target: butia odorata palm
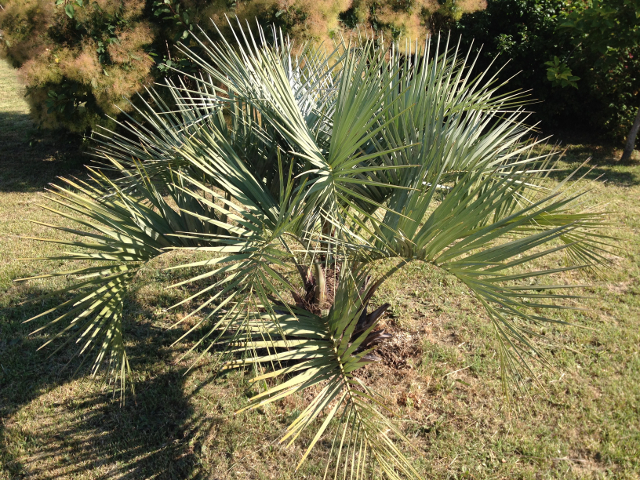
point(305, 180)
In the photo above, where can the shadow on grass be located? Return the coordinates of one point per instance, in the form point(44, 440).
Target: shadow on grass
point(155, 434)
point(618, 175)
point(603, 162)
point(32, 158)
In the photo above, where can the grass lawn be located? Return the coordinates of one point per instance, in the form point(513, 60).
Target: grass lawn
point(439, 375)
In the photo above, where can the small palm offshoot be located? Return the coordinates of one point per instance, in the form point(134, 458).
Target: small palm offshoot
point(297, 176)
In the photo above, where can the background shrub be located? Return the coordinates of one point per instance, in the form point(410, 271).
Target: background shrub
point(82, 59)
point(524, 32)
point(79, 61)
point(606, 36)
point(603, 98)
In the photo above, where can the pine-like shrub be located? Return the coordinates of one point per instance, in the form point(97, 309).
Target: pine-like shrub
point(79, 61)
point(83, 60)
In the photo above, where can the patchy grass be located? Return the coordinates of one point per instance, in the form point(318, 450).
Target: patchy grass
point(439, 374)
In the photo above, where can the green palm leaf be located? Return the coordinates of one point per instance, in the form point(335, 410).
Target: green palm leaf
point(327, 352)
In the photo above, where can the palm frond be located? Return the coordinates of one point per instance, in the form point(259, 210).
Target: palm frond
point(471, 235)
point(118, 233)
point(325, 352)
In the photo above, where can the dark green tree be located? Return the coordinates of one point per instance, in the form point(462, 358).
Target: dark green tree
point(526, 33)
point(608, 34)
point(555, 44)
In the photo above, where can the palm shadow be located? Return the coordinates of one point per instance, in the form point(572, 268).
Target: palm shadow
point(157, 433)
point(31, 158)
point(602, 159)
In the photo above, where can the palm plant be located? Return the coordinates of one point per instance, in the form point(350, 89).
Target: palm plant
point(300, 183)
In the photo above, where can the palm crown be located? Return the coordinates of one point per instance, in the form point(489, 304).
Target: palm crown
point(303, 181)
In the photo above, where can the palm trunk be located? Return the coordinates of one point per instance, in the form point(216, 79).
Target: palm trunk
point(631, 140)
point(321, 285)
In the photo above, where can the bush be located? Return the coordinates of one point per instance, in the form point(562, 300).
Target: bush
point(533, 34)
point(83, 59)
point(79, 61)
point(526, 33)
point(606, 36)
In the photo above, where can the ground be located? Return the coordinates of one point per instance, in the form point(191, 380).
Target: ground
point(439, 375)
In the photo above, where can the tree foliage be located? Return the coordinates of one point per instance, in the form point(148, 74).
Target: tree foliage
point(606, 35)
point(84, 59)
point(609, 27)
point(555, 44)
point(78, 60)
point(305, 180)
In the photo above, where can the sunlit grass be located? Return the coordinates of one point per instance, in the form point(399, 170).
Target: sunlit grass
point(439, 375)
